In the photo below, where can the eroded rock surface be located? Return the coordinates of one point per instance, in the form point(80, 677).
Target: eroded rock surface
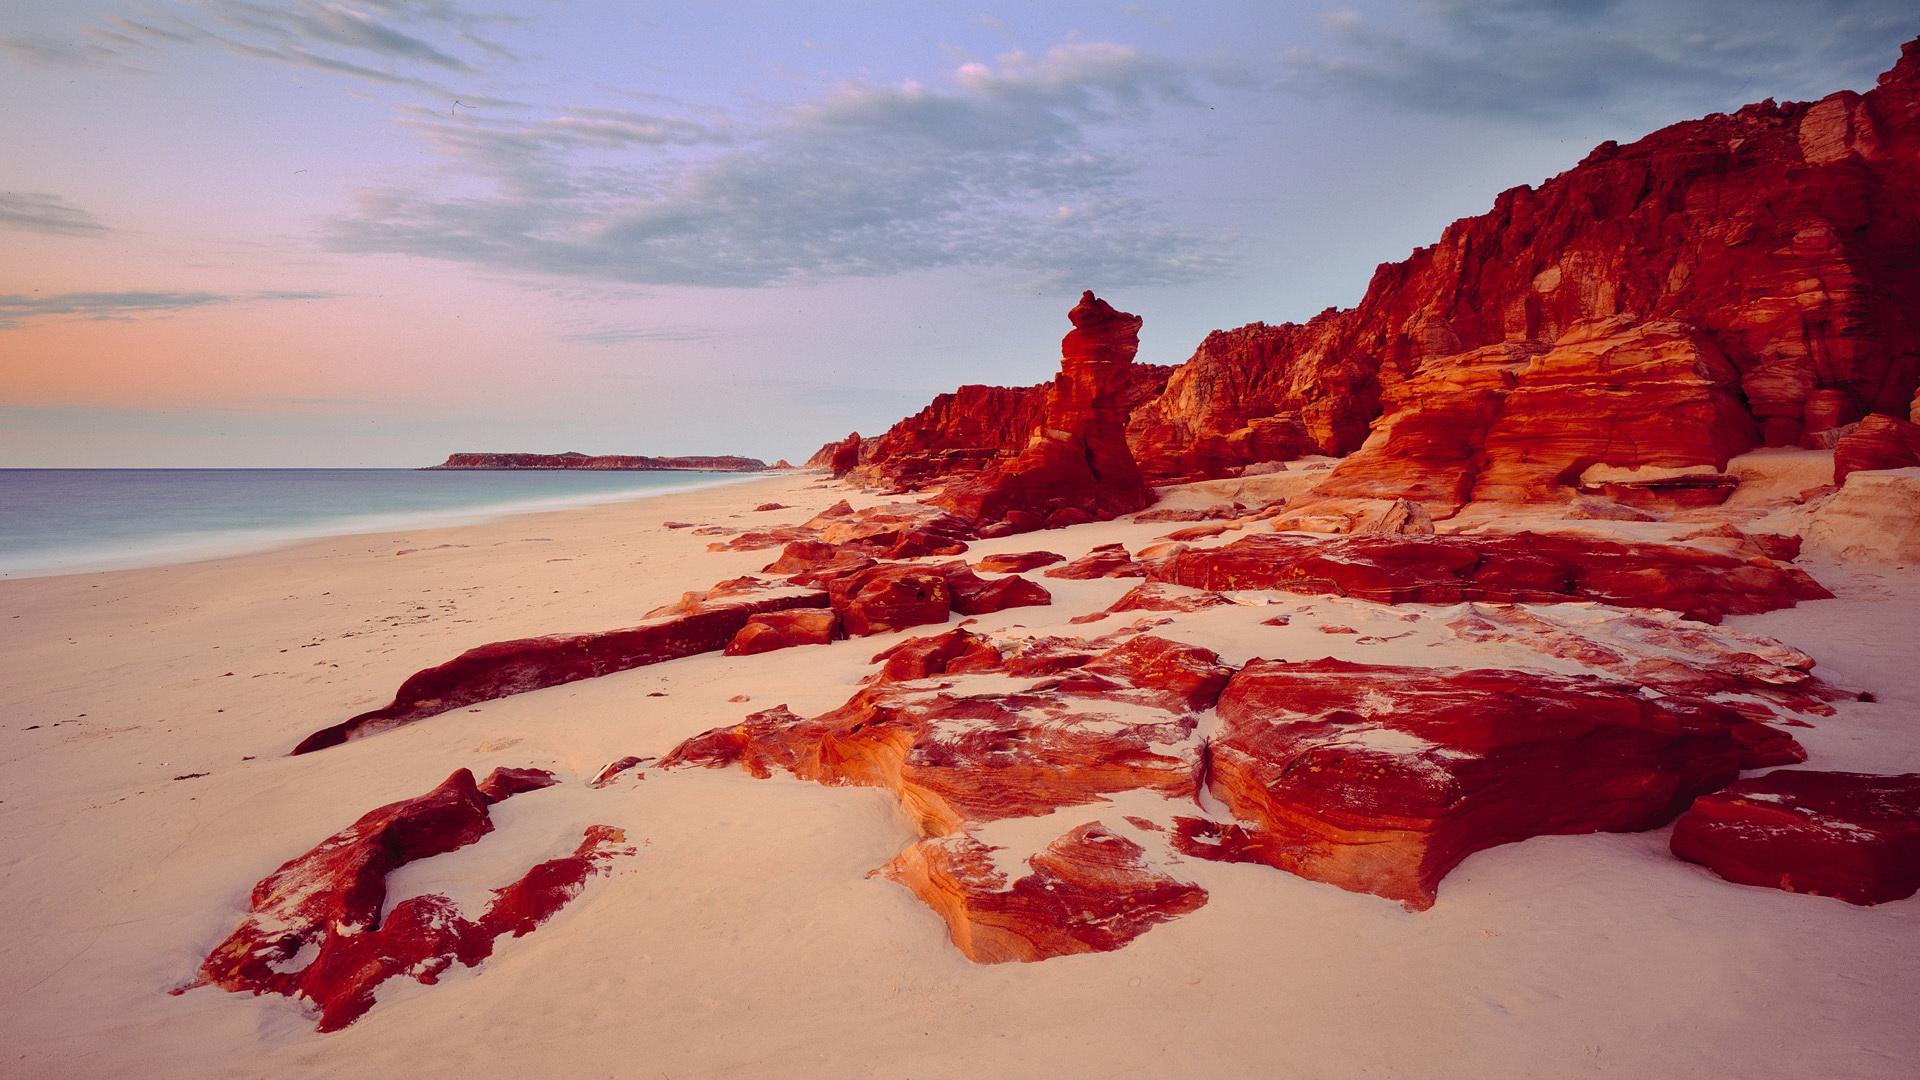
point(1380, 779)
point(315, 929)
point(1076, 466)
point(1854, 836)
point(1525, 568)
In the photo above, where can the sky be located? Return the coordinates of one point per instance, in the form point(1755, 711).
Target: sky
point(370, 233)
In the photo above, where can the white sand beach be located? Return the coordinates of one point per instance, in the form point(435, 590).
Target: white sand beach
point(145, 786)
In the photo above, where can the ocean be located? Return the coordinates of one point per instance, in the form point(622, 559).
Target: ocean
point(59, 521)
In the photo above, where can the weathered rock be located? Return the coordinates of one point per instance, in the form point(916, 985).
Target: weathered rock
point(1879, 443)
point(1853, 836)
point(1089, 891)
point(784, 629)
point(700, 622)
point(1873, 518)
point(315, 930)
point(1523, 568)
point(1749, 256)
point(974, 595)
point(1017, 562)
point(1105, 561)
point(1381, 779)
point(1521, 422)
point(1077, 460)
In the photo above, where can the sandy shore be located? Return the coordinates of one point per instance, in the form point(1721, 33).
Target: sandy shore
point(144, 788)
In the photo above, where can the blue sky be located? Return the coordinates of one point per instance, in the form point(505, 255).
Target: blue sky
point(373, 232)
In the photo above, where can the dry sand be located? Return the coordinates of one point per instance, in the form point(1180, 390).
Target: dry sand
point(744, 939)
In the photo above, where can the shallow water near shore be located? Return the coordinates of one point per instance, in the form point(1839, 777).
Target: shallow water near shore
point(59, 521)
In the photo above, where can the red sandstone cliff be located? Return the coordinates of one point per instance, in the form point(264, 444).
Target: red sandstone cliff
point(1076, 465)
point(1721, 283)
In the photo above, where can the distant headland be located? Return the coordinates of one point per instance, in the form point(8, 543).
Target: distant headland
point(576, 460)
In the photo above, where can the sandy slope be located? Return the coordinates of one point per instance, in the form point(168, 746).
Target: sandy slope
point(744, 939)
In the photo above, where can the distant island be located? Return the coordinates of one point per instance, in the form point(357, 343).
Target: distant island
point(576, 460)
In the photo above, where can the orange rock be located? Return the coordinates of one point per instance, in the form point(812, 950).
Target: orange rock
point(315, 929)
point(784, 629)
point(1089, 891)
point(1854, 836)
point(1381, 779)
point(1077, 461)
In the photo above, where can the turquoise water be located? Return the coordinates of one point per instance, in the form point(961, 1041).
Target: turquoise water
point(55, 521)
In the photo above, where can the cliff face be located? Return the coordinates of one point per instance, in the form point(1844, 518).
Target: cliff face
point(727, 463)
point(1076, 459)
point(1768, 256)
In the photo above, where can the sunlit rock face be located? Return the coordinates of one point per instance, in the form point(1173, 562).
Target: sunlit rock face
point(1520, 423)
point(1077, 462)
point(316, 930)
point(971, 732)
point(1750, 276)
point(699, 622)
point(1853, 836)
point(1526, 568)
point(1380, 779)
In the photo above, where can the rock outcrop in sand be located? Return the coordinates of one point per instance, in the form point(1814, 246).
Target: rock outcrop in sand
point(1850, 835)
point(315, 929)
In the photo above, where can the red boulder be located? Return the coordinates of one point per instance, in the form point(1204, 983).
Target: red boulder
point(1853, 836)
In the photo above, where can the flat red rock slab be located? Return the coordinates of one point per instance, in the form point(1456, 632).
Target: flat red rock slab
point(1089, 891)
point(1105, 561)
point(700, 622)
point(315, 930)
point(1525, 568)
point(1017, 562)
point(1854, 836)
point(1382, 779)
point(772, 630)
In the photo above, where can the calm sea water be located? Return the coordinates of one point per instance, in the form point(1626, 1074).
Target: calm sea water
point(55, 521)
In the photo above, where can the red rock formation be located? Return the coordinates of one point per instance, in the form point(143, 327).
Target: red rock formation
point(1107, 560)
point(1118, 723)
point(783, 630)
point(701, 622)
point(897, 530)
point(1381, 779)
point(1077, 461)
point(315, 930)
point(1763, 257)
point(1089, 891)
point(1017, 562)
point(1849, 835)
point(1525, 568)
point(1880, 442)
point(1521, 422)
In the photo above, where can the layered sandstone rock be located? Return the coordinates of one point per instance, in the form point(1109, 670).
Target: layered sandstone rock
point(315, 930)
point(1875, 444)
point(1849, 835)
point(1754, 270)
point(1521, 422)
point(1077, 462)
point(699, 622)
point(1873, 518)
point(1381, 779)
point(1524, 568)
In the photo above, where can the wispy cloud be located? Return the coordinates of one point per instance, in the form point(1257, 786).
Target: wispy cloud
point(41, 212)
point(15, 310)
point(386, 41)
point(1546, 60)
point(598, 334)
point(1007, 169)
